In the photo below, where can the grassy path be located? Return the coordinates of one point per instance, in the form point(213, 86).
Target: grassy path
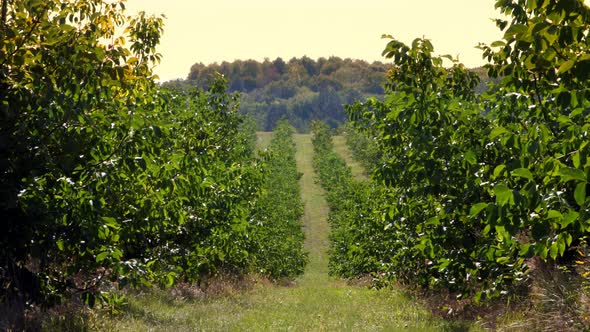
point(342, 149)
point(314, 218)
point(316, 302)
point(263, 139)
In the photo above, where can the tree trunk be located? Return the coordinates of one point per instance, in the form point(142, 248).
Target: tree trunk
point(4, 11)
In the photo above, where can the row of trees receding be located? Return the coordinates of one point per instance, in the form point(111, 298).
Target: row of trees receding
point(108, 180)
point(479, 189)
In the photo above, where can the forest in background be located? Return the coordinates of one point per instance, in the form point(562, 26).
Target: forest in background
point(300, 89)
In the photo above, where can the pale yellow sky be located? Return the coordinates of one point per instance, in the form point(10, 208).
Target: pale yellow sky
point(225, 30)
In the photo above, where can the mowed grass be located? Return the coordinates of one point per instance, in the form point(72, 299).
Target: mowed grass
point(263, 139)
point(314, 302)
point(342, 149)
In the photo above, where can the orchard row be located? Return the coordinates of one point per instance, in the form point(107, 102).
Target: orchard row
point(470, 192)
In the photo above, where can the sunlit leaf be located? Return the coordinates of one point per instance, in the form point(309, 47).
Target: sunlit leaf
point(580, 193)
point(503, 194)
point(569, 173)
point(566, 66)
point(477, 208)
point(523, 173)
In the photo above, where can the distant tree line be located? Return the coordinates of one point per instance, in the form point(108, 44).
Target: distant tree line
point(299, 90)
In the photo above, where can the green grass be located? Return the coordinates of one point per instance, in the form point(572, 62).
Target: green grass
point(315, 302)
point(314, 217)
point(342, 149)
point(263, 139)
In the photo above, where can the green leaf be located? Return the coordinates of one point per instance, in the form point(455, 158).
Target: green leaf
point(568, 238)
point(443, 263)
point(477, 296)
point(542, 250)
point(498, 131)
point(569, 218)
point(433, 221)
point(487, 229)
point(503, 260)
point(529, 63)
point(523, 173)
point(552, 214)
point(391, 212)
point(531, 5)
point(170, 278)
point(561, 245)
point(111, 222)
point(515, 29)
point(566, 66)
point(101, 257)
point(569, 173)
point(470, 157)
point(117, 254)
point(503, 194)
point(524, 248)
point(564, 120)
point(477, 208)
point(539, 27)
point(498, 170)
point(502, 232)
point(553, 250)
point(580, 193)
point(576, 159)
point(576, 112)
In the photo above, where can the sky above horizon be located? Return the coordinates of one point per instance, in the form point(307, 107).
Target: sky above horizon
point(225, 30)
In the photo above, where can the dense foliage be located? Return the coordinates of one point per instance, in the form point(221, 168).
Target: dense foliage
point(108, 178)
point(278, 238)
point(356, 240)
point(363, 147)
point(279, 76)
point(479, 188)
